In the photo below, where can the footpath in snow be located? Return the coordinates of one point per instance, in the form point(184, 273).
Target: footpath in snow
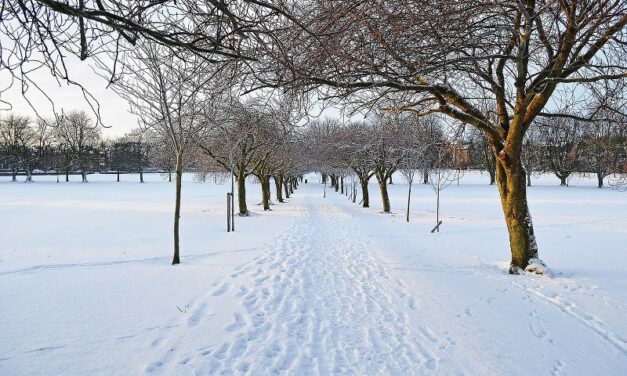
point(332, 288)
point(328, 298)
point(317, 302)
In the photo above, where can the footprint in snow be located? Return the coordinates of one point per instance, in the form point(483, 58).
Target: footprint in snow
point(537, 329)
point(273, 350)
point(152, 367)
point(432, 364)
point(236, 324)
point(412, 303)
point(242, 291)
point(558, 368)
point(184, 361)
point(221, 352)
point(222, 289)
point(194, 318)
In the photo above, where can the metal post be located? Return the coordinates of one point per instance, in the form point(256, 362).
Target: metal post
point(232, 212)
point(228, 212)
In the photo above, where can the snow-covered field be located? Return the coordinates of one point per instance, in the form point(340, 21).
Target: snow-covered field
point(316, 286)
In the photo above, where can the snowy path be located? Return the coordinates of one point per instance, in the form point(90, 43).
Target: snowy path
point(318, 304)
point(317, 286)
point(325, 298)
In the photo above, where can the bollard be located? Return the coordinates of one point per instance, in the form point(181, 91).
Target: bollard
point(232, 212)
point(228, 212)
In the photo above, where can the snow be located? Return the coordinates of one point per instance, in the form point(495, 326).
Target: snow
point(537, 266)
point(315, 286)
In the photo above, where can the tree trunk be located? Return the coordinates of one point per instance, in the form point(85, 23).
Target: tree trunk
point(279, 190)
point(385, 199)
point(177, 208)
point(141, 175)
point(390, 182)
point(408, 199)
point(510, 178)
point(67, 176)
point(170, 176)
point(341, 184)
point(600, 179)
point(364, 192)
point(563, 180)
point(437, 210)
point(528, 173)
point(14, 175)
point(425, 177)
point(286, 188)
point(265, 192)
point(492, 174)
point(118, 178)
point(84, 176)
point(241, 192)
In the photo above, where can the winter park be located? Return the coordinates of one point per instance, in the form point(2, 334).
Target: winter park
point(265, 187)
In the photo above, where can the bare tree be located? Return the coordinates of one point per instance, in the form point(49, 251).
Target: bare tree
point(80, 138)
point(444, 171)
point(415, 143)
point(236, 142)
point(290, 163)
point(139, 149)
point(562, 146)
point(482, 155)
point(273, 131)
point(459, 59)
point(119, 156)
point(532, 152)
point(131, 152)
point(41, 147)
point(387, 131)
point(333, 147)
point(162, 155)
point(360, 158)
point(605, 140)
point(167, 92)
point(16, 140)
point(604, 148)
point(52, 34)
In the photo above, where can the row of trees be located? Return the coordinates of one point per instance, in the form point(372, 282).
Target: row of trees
point(73, 144)
point(562, 146)
point(496, 66)
point(70, 143)
point(240, 139)
point(355, 152)
point(259, 138)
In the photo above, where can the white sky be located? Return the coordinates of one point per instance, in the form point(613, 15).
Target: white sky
point(113, 109)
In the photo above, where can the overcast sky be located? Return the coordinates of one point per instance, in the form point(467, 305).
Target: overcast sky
point(113, 109)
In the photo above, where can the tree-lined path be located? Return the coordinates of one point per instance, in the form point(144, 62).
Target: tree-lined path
point(341, 294)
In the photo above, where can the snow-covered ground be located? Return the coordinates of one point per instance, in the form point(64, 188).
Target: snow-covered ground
point(316, 286)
